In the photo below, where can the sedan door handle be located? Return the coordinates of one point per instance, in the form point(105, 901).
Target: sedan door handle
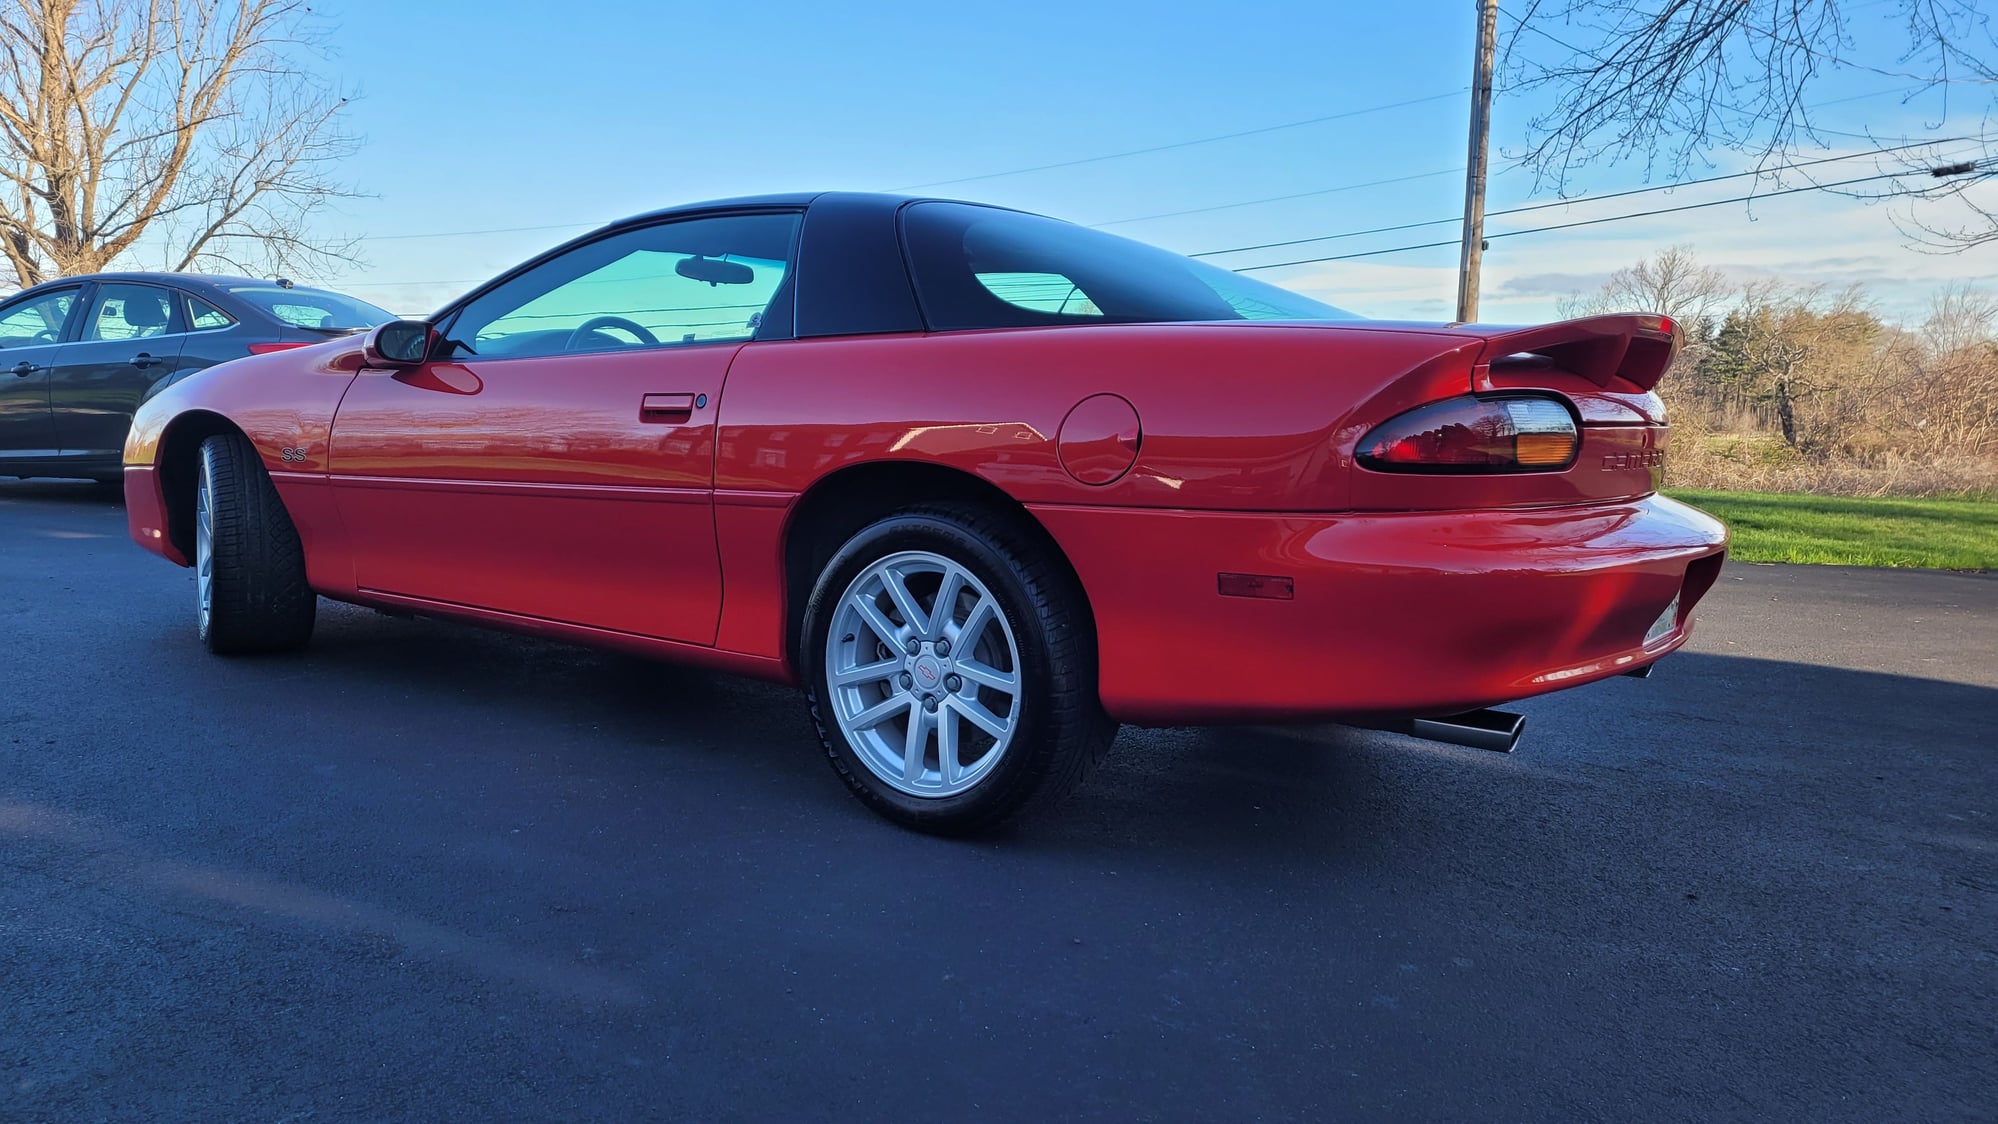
point(25, 368)
point(143, 360)
point(666, 407)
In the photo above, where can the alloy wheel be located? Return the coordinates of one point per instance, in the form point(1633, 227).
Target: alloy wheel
point(923, 673)
point(204, 545)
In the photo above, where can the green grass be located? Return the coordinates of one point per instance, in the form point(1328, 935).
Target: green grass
point(1943, 533)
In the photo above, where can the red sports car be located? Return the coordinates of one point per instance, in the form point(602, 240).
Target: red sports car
point(985, 484)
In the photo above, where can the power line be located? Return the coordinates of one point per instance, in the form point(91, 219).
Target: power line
point(1595, 221)
point(1582, 199)
point(1015, 172)
point(1281, 198)
point(1112, 222)
point(1577, 201)
point(467, 233)
point(1185, 143)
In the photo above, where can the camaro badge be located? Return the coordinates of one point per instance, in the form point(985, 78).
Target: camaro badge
point(1617, 462)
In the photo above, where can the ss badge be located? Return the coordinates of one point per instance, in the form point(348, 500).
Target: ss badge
point(291, 456)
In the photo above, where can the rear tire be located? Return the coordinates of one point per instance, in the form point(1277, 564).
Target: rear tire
point(250, 588)
point(961, 718)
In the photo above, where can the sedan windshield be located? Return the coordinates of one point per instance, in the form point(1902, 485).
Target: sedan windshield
point(982, 267)
point(313, 308)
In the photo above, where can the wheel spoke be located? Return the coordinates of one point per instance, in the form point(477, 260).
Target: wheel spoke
point(947, 764)
point(905, 602)
point(877, 620)
point(975, 712)
point(866, 673)
point(980, 615)
point(915, 743)
point(880, 712)
point(945, 605)
point(992, 677)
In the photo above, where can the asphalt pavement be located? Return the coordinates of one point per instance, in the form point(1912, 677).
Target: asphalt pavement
point(423, 872)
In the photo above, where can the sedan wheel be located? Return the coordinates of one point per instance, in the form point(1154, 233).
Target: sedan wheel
point(952, 672)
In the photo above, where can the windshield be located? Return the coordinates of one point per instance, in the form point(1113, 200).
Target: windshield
point(981, 267)
point(313, 308)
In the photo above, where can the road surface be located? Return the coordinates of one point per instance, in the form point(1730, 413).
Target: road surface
point(424, 872)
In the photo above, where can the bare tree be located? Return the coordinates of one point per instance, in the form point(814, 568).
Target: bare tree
point(1945, 399)
point(189, 130)
point(1672, 281)
point(1785, 348)
point(1671, 81)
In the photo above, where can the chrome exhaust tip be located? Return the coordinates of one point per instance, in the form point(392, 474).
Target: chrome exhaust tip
point(1496, 730)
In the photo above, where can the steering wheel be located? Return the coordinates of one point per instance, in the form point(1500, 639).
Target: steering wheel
point(596, 323)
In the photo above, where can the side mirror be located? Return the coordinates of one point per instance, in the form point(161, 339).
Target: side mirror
point(398, 343)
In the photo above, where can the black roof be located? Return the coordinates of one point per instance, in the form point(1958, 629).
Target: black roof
point(740, 202)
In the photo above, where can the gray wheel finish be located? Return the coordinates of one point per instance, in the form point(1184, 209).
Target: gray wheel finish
point(923, 670)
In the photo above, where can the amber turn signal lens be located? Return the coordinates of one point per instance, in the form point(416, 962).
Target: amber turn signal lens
point(1544, 450)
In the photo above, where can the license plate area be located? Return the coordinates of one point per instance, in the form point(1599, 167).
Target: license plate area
point(1665, 625)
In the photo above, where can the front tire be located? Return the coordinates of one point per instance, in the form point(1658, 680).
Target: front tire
point(250, 588)
point(951, 672)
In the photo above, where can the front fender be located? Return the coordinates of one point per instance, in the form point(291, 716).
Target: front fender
point(283, 402)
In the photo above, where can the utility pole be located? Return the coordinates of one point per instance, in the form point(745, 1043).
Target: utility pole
point(1474, 174)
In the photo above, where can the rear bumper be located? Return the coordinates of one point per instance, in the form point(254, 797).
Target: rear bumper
point(1392, 614)
point(146, 514)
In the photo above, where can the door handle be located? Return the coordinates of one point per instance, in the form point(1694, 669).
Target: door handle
point(143, 360)
point(25, 368)
point(666, 407)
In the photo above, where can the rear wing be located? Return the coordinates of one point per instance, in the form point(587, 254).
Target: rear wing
point(1626, 352)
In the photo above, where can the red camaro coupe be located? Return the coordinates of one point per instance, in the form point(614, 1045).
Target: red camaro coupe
point(984, 483)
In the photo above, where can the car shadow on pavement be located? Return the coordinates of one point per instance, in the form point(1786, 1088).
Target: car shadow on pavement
point(1711, 751)
point(1707, 728)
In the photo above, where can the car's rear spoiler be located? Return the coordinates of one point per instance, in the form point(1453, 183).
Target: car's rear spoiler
point(1624, 352)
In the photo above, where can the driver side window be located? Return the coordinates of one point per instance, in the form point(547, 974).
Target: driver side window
point(694, 281)
point(36, 322)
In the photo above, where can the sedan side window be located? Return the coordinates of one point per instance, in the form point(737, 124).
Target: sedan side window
point(203, 316)
point(129, 312)
point(688, 282)
point(37, 321)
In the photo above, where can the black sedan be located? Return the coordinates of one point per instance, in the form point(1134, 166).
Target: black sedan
point(78, 355)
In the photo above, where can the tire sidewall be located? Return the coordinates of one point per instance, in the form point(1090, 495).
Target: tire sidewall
point(936, 534)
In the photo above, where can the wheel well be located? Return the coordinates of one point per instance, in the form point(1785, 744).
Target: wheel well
point(179, 465)
point(830, 511)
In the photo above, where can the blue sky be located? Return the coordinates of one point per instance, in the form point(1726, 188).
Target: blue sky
point(474, 119)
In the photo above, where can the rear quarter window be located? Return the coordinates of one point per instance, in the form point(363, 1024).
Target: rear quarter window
point(984, 267)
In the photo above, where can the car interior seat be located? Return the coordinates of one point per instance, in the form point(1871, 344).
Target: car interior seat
point(147, 315)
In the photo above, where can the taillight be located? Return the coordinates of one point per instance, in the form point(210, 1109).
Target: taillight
point(276, 345)
point(1501, 433)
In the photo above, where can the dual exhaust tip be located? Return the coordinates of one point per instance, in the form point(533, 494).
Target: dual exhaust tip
point(1496, 730)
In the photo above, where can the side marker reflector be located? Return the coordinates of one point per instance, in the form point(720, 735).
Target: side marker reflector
point(1267, 586)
